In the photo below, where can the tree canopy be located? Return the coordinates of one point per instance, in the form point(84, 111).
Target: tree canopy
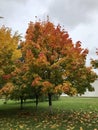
point(8, 53)
point(47, 62)
point(56, 63)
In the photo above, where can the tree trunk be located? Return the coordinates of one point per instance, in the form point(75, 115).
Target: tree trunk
point(50, 102)
point(21, 102)
point(36, 101)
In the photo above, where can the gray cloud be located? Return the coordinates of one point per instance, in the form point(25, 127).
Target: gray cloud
point(9, 7)
point(18, 13)
point(73, 12)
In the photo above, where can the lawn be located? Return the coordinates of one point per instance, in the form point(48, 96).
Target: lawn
point(69, 113)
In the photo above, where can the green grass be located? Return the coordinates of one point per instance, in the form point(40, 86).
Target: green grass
point(69, 113)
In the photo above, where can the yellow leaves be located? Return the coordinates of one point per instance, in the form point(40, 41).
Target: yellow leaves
point(21, 126)
point(8, 51)
point(81, 128)
point(58, 89)
point(1, 72)
point(16, 54)
point(54, 126)
point(58, 63)
point(61, 119)
point(66, 87)
point(7, 41)
point(5, 34)
point(73, 91)
point(83, 77)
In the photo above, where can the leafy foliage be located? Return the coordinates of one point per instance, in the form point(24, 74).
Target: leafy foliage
point(7, 90)
point(95, 62)
point(8, 53)
point(56, 60)
point(47, 62)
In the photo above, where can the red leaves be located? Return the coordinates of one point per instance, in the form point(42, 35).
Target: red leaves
point(6, 77)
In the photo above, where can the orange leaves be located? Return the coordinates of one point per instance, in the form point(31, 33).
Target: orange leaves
point(48, 28)
point(78, 44)
point(47, 86)
point(29, 32)
point(85, 52)
point(42, 56)
point(41, 61)
point(29, 55)
point(50, 53)
point(7, 89)
point(36, 81)
point(63, 88)
point(58, 89)
point(66, 87)
point(54, 56)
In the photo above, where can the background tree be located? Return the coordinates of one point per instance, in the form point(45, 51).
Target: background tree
point(8, 53)
point(94, 62)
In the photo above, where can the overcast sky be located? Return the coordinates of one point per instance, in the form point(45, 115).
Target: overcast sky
point(78, 17)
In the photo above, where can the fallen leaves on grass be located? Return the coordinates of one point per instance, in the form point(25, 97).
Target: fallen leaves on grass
point(69, 120)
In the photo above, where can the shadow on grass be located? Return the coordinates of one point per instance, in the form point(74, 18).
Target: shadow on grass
point(64, 117)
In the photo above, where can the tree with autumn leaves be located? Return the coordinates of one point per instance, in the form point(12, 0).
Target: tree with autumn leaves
point(55, 63)
point(46, 63)
point(8, 55)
